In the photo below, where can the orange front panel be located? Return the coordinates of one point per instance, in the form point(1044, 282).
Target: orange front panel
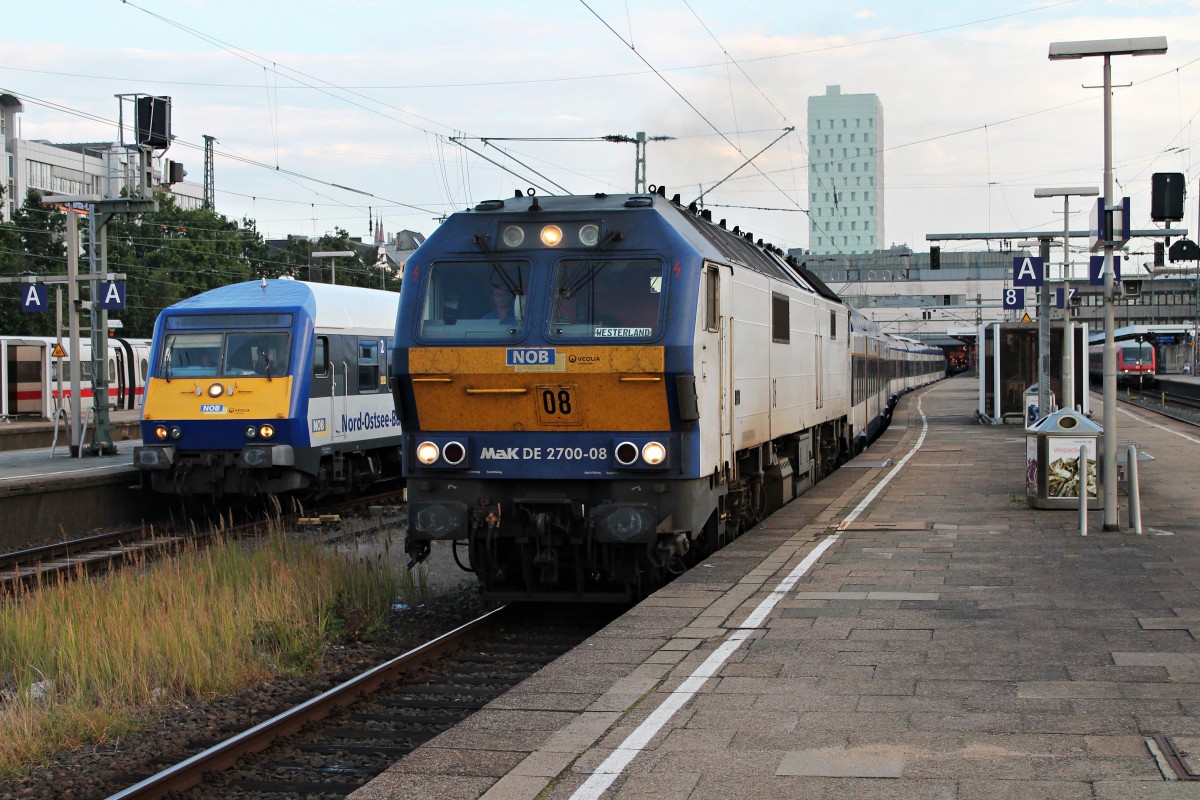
point(578, 389)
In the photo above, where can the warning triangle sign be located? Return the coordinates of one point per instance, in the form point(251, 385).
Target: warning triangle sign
point(1026, 318)
point(58, 351)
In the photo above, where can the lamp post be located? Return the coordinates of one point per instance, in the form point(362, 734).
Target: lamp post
point(332, 256)
point(1066, 193)
point(1144, 46)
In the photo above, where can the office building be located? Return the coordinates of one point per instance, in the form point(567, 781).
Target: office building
point(845, 173)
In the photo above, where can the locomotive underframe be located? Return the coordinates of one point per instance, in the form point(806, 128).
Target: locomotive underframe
point(262, 469)
point(611, 540)
point(587, 540)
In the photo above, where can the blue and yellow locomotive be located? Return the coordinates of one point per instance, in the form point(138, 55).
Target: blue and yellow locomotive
point(270, 386)
point(597, 391)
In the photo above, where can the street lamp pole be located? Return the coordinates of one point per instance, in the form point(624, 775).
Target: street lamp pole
point(1145, 46)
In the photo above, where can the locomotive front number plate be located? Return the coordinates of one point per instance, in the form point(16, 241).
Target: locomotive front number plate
point(558, 405)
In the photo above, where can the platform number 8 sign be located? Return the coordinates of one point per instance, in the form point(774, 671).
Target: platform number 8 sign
point(1014, 298)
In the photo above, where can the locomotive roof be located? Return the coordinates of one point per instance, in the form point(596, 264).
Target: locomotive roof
point(730, 246)
point(345, 307)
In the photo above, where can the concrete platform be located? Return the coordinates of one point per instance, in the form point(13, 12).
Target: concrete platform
point(46, 494)
point(24, 433)
point(907, 630)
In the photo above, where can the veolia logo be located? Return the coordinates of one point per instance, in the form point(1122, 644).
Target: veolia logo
point(519, 356)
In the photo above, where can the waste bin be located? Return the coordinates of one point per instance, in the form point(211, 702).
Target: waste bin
point(1052, 448)
point(1032, 412)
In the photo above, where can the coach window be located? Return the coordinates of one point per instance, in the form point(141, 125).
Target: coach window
point(712, 308)
point(368, 366)
point(321, 357)
point(832, 325)
point(781, 327)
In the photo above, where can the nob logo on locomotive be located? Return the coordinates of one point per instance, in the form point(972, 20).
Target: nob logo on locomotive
point(522, 356)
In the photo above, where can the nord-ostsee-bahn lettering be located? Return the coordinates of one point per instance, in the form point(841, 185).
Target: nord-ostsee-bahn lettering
point(577, 379)
point(367, 421)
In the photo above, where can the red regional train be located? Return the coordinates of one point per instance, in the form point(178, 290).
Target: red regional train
point(1136, 362)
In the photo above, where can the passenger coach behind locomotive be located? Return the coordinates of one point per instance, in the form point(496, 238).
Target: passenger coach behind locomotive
point(271, 386)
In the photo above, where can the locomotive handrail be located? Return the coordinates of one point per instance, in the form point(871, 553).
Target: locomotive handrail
point(640, 378)
point(515, 390)
point(433, 380)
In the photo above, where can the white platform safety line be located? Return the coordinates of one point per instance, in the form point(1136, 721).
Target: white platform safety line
point(623, 755)
point(1145, 421)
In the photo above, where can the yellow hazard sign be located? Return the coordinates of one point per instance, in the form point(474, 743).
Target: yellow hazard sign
point(1026, 318)
point(58, 351)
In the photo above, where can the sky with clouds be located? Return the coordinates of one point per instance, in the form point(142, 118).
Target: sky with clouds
point(330, 114)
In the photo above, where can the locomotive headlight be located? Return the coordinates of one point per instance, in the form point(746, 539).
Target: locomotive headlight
point(427, 452)
point(589, 235)
point(160, 431)
point(552, 236)
point(251, 431)
point(176, 432)
point(453, 453)
point(626, 453)
point(654, 453)
point(266, 431)
point(513, 236)
point(216, 390)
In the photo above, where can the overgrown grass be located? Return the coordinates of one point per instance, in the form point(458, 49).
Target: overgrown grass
point(86, 660)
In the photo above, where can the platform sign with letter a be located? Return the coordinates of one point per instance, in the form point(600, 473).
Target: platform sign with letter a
point(1028, 271)
point(34, 298)
point(1014, 298)
point(1096, 270)
point(112, 296)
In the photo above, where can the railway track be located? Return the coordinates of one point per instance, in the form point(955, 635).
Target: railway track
point(330, 745)
point(32, 566)
point(1170, 404)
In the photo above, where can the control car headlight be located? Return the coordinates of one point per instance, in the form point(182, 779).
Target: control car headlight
point(216, 390)
point(427, 452)
point(161, 432)
point(552, 235)
point(654, 453)
point(266, 431)
point(251, 431)
point(176, 432)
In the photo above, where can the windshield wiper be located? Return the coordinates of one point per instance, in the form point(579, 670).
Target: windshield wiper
point(513, 286)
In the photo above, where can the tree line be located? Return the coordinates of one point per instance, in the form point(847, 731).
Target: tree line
point(166, 256)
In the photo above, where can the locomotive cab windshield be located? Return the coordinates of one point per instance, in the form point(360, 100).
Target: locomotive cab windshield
point(607, 297)
point(475, 299)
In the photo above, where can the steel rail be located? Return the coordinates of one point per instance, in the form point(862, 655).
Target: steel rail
point(190, 772)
